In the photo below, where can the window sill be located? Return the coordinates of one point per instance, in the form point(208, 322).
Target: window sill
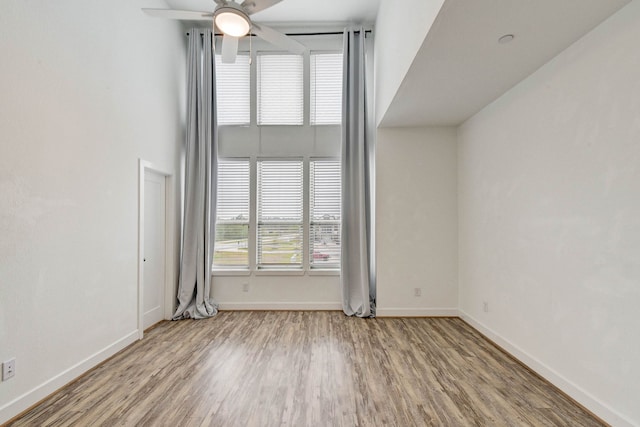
point(280, 272)
point(323, 272)
point(220, 272)
point(275, 272)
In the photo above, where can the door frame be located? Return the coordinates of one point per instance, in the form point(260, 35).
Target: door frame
point(144, 166)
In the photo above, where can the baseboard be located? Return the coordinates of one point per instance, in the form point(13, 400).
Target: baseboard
point(416, 312)
point(30, 398)
point(294, 306)
point(581, 396)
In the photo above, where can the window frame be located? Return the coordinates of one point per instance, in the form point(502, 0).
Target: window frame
point(231, 269)
point(251, 84)
point(255, 90)
point(281, 142)
point(306, 268)
point(311, 222)
point(303, 184)
point(308, 85)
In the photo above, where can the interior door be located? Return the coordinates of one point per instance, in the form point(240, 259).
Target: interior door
point(154, 248)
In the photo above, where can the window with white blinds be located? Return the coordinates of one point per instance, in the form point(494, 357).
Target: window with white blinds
point(280, 214)
point(280, 90)
point(233, 92)
point(326, 88)
point(324, 214)
point(231, 249)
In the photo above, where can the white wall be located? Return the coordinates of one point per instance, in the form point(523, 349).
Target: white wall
point(416, 221)
point(549, 182)
point(87, 89)
point(400, 31)
point(280, 292)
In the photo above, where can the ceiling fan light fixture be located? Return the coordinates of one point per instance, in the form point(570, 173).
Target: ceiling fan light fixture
point(232, 21)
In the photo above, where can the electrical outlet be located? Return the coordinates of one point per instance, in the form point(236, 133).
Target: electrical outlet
point(417, 292)
point(245, 287)
point(8, 369)
point(485, 306)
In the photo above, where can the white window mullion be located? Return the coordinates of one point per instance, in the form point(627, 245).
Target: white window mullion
point(231, 247)
point(305, 253)
point(306, 91)
point(253, 224)
point(325, 214)
point(254, 85)
point(280, 214)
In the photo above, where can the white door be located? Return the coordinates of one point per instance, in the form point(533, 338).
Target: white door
point(154, 248)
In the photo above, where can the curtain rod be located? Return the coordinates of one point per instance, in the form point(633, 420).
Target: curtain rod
point(327, 33)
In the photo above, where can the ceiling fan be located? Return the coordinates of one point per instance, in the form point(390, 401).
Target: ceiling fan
point(232, 19)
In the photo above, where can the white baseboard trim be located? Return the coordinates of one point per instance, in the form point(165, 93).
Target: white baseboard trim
point(416, 312)
point(30, 398)
point(598, 408)
point(294, 306)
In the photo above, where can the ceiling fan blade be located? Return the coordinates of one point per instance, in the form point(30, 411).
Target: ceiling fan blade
point(190, 15)
point(254, 6)
point(278, 39)
point(229, 49)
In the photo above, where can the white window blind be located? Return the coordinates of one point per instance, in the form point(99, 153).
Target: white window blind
point(280, 214)
point(233, 96)
point(280, 91)
point(324, 213)
point(232, 215)
point(326, 88)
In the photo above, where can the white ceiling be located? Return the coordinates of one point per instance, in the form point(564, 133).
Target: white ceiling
point(460, 67)
point(300, 11)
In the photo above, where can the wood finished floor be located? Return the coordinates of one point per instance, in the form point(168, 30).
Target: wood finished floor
point(309, 369)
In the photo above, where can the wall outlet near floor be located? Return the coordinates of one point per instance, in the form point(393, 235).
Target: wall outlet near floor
point(485, 306)
point(417, 292)
point(245, 287)
point(8, 369)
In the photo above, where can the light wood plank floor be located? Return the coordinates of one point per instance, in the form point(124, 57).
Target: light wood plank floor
point(309, 369)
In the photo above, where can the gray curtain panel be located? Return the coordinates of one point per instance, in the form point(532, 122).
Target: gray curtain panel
point(194, 288)
point(357, 277)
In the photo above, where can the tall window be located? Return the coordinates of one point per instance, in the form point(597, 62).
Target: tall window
point(280, 214)
point(232, 215)
point(280, 91)
point(324, 214)
point(233, 95)
point(326, 88)
point(279, 198)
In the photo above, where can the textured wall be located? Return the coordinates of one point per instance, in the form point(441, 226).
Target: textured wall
point(549, 182)
point(417, 221)
point(87, 89)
